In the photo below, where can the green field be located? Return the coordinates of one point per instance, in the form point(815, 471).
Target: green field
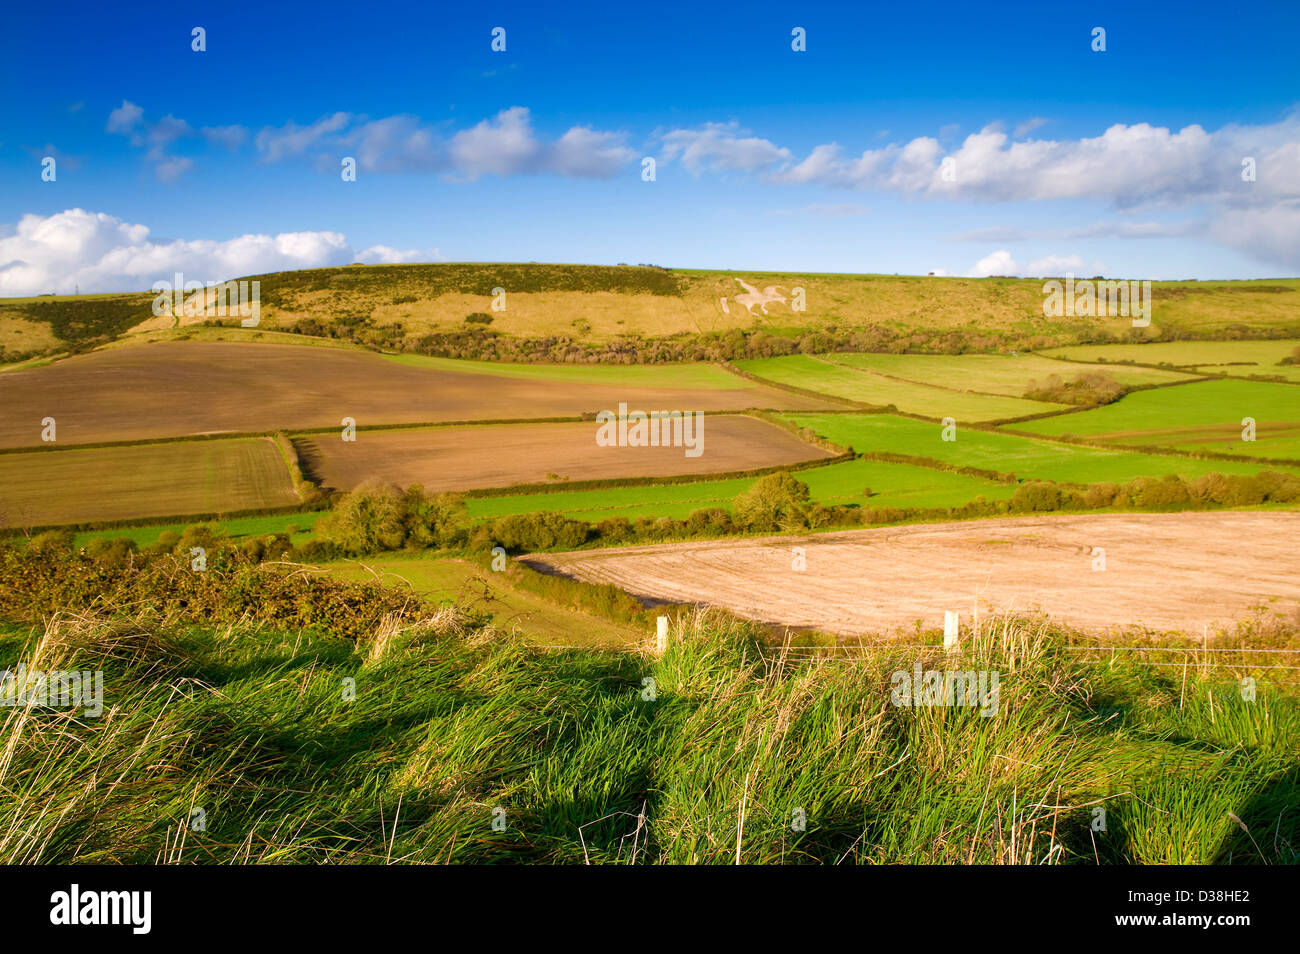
point(892, 485)
point(147, 535)
point(1025, 457)
point(477, 589)
point(1207, 413)
point(813, 374)
point(1183, 354)
point(694, 376)
point(1289, 372)
point(88, 485)
point(1002, 374)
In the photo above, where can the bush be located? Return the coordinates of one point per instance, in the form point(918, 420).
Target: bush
point(379, 516)
point(775, 502)
point(1090, 388)
point(1035, 497)
point(522, 532)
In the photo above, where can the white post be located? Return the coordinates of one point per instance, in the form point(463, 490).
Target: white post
point(661, 637)
point(950, 619)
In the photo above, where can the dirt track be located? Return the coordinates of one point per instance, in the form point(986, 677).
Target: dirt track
point(1162, 572)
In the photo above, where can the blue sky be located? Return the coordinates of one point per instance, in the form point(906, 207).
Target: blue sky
point(1125, 162)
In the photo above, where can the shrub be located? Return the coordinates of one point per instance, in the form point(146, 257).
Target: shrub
point(1035, 497)
point(1089, 388)
point(775, 502)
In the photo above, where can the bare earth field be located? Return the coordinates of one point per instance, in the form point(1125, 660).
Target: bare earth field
point(501, 455)
point(177, 389)
point(92, 484)
point(1163, 572)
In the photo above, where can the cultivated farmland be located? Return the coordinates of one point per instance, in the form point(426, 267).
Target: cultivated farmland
point(1162, 572)
point(857, 384)
point(1008, 375)
point(501, 455)
point(1183, 354)
point(891, 485)
point(1004, 453)
point(1203, 415)
point(84, 485)
point(175, 389)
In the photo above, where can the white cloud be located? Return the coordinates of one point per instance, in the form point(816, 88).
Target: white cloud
point(721, 147)
point(995, 263)
point(1028, 126)
point(1050, 266)
point(101, 253)
point(1002, 262)
point(503, 145)
point(384, 255)
point(1268, 234)
point(157, 138)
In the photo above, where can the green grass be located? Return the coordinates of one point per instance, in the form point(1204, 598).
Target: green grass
point(1183, 353)
point(812, 374)
point(1006, 453)
point(892, 485)
point(147, 535)
point(476, 588)
point(709, 377)
point(406, 745)
point(1207, 411)
point(1289, 372)
point(992, 373)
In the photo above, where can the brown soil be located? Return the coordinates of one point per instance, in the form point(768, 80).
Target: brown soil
point(501, 455)
point(1163, 572)
point(176, 389)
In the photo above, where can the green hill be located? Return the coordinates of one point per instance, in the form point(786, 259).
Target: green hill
point(630, 314)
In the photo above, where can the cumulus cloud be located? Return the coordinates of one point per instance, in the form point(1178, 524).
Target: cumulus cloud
point(1128, 167)
point(995, 263)
point(721, 147)
point(1002, 262)
point(385, 255)
point(503, 145)
point(158, 137)
point(101, 253)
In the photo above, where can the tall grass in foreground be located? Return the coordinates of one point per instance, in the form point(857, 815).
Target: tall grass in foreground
point(240, 744)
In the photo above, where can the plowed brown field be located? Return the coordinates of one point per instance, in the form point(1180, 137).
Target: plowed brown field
point(1178, 571)
point(178, 388)
point(500, 455)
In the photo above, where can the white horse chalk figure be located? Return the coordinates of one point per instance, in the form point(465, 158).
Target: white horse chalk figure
point(762, 298)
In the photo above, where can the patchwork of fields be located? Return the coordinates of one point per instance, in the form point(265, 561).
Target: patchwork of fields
point(147, 391)
point(1004, 453)
point(177, 389)
point(864, 387)
point(1206, 415)
point(891, 485)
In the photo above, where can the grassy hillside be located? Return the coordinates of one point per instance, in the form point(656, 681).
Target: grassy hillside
point(432, 739)
point(609, 313)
